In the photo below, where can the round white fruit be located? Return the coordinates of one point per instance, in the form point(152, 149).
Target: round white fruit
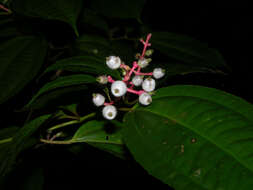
point(113, 62)
point(137, 80)
point(158, 73)
point(109, 112)
point(98, 99)
point(145, 99)
point(148, 85)
point(118, 88)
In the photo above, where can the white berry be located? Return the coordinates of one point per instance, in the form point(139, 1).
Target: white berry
point(145, 99)
point(158, 73)
point(109, 112)
point(137, 80)
point(118, 88)
point(98, 99)
point(148, 85)
point(113, 62)
point(143, 62)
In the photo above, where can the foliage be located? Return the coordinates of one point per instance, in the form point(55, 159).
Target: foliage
point(189, 137)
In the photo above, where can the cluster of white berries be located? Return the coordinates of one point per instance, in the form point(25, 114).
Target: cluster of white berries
point(120, 87)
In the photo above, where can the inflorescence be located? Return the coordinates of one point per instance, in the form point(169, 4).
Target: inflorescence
point(128, 83)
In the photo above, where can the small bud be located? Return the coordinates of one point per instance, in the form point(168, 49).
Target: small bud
point(95, 51)
point(109, 112)
point(102, 79)
point(148, 85)
point(158, 73)
point(123, 71)
point(98, 99)
point(118, 88)
point(145, 99)
point(113, 62)
point(143, 63)
point(137, 55)
point(137, 80)
point(149, 52)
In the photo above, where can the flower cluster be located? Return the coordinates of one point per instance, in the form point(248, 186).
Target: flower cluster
point(133, 78)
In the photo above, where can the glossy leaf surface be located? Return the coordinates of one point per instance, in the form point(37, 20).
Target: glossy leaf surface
point(94, 133)
point(63, 82)
point(20, 58)
point(62, 10)
point(194, 137)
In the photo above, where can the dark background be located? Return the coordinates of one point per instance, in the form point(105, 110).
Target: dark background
point(226, 27)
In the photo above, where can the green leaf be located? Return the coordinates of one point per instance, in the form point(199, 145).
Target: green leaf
point(21, 59)
point(18, 143)
point(7, 132)
point(191, 52)
point(92, 19)
point(8, 28)
point(85, 64)
point(94, 45)
point(62, 10)
point(94, 133)
point(57, 97)
point(63, 82)
point(119, 9)
point(193, 137)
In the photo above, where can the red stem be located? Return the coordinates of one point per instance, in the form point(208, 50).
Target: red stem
point(146, 44)
point(126, 67)
point(108, 103)
point(110, 79)
point(4, 8)
point(144, 74)
point(128, 76)
point(135, 91)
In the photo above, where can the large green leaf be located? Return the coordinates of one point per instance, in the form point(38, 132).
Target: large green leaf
point(93, 20)
point(57, 97)
point(63, 82)
point(21, 59)
point(102, 47)
point(7, 133)
point(119, 9)
point(194, 137)
point(18, 143)
point(86, 64)
point(62, 10)
point(8, 28)
point(189, 51)
point(93, 44)
point(94, 133)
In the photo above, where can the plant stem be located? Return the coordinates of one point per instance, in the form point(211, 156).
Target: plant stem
point(72, 122)
point(55, 142)
point(125, 109)
point(73, 141)
point(6, 140)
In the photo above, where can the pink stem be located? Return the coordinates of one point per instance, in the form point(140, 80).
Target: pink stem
point(144, 74)
point(128, 76)
point(110, 79)
point(4, 8)
point(126, 67)
point(132, 85)
point(146, 44)
point(108, 103)
point(135, 91)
